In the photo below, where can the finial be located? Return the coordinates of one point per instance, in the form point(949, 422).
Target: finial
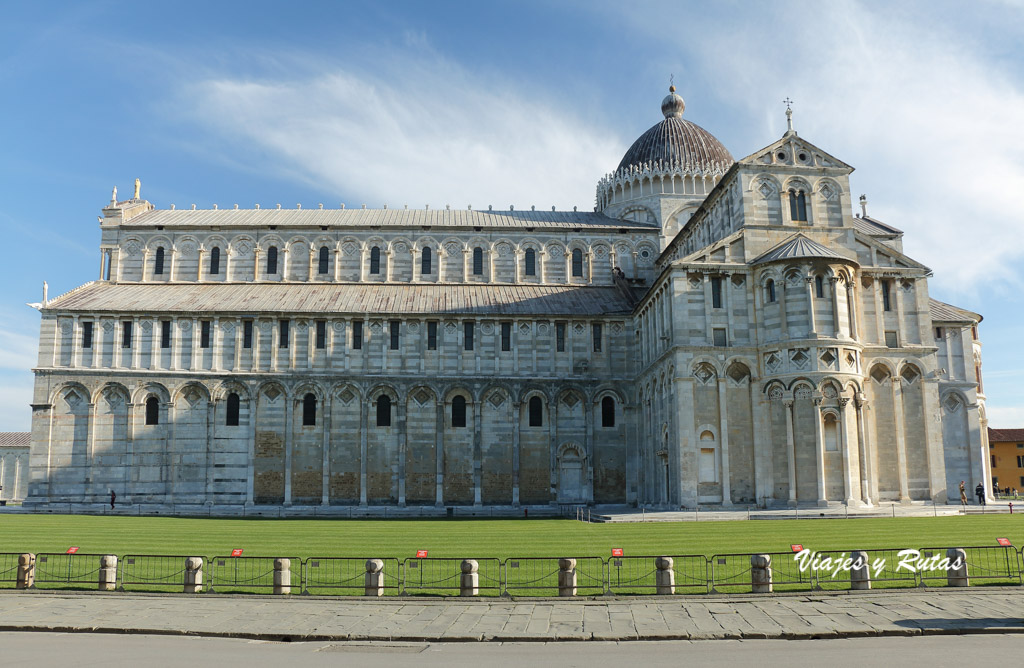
point(46, 290)
point(789, 116)
point(672, 106)
point(671, 83)
point(113, 196)
point(864, 206)
point(138, 185)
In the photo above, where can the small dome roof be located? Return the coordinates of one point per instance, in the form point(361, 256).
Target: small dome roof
point(678, 141)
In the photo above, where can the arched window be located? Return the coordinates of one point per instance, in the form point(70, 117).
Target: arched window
point(459, 411)
point(536, 410)
point(152, 411)
point(323, 260)
point(375, 260)
point(797, 205)
point(531, 262)
point(577, 262)
point(769, 288)
point(426, 260)
point(607, 412)
point(819, 287)
point(309, 410)
point(383, 411)
point(231, 419)
point(272, 260)
point(478, 261)
point(158, 268)
point(215, 260)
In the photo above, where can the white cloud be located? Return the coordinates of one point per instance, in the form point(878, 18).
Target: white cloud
point(433, 133)
point(1005, 417)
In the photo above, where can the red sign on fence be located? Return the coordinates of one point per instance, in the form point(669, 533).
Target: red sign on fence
point(1005, 542)
point(237, 552)
point(71, 550)
point(796, 548)
point(616, 551)
point(421, 554)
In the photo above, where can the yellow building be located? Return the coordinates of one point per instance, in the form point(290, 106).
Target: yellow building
point(1006, 448)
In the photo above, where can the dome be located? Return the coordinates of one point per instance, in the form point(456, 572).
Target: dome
point(677, 141)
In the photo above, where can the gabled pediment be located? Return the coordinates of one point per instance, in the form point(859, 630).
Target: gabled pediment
point(799, 246)
point(794, 151)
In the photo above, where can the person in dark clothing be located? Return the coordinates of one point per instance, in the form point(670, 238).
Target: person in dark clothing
point(113, 497)
point(979, 491)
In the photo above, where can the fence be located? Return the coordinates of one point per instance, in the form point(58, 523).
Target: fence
point(528, 576)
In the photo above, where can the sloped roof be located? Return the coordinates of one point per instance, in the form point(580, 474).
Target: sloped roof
point(872, 227)
point(999, 435)
point(16, 439)
point(799, 246)
point(943, 312)
point(458, 218)
point(377, 298)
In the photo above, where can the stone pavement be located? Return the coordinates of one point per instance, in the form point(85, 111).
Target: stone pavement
point(782, 616)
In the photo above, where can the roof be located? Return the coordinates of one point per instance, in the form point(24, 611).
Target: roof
point(677, 141)
point(998, 435)
point(15, 439)
point(943, 312)
point(377, 298)
point(875, 228)
point(457, 218)
point(799, 246)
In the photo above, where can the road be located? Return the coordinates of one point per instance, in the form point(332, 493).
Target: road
point(42, 649)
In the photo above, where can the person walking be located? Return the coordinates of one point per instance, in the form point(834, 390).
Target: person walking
point(979, 491)
point(113, 498)
point(963, 494)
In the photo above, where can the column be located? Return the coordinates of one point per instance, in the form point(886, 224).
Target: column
point(363, 263)
point(442, 260)
point(782, 308)
point(337, 264)
point(309, 269)
point(865, 472)
point(589, 258)
point(257, 341)
point(289, 411)
point(239, 335)
point(723, 439)
point(812, 332)
point(636, 269)
point(517, 258)
point(250, 468)
point(879, 313)
point(790, 450)
point(465, 265)
point(819, 451)
point(326, 466)
point(542, 260)
point(136, 343)
point(145, 264)
point(568, 265)
point(193, 365)
point(517, 420)
point(103, 259)
point(228, 252)
point(76, 342)
point(833, 283)
point(901, 441)
point(949, 352)
point(155, 345)
point(851, 305)
point(553, 451)
point(175, 343)
point(199, 265)
point(399, 407)
point(275, 335)
point(255, 264)
point(311, 341)
point(216, 345)
point(439, 453)
point(897, 297)
point(708, 309)
point(364, 407)
point(388, 274)
point(845, 437)
point(589, 414)
point(490, 264)
point(727, 305)
point(284, 264)
point(477, 450)
point(415, 273)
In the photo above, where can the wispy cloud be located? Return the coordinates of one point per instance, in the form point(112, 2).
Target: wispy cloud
point(419, 130)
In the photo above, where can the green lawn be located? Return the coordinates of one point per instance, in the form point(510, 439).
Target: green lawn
point(486, 538)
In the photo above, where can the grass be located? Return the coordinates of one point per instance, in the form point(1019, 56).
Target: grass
point(486, 538)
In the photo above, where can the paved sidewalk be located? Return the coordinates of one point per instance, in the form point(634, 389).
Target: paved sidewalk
point(784, 616)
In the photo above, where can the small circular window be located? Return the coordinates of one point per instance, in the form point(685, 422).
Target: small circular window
point(645, 254)
point(781, 155)
point(802, 157)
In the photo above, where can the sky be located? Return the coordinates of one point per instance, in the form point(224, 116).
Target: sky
point(502, 103)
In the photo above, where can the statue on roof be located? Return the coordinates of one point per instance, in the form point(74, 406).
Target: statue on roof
point(113, 195)
point(138, 184)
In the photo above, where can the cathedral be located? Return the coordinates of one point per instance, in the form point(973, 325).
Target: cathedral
point(715, 332)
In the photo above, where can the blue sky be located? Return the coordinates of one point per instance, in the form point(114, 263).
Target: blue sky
point(524, 103)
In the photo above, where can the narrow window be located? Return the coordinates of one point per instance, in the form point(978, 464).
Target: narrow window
point(152, 410)
point(560, 337)
point(323, 260)
point(375, 260)
point(886, 301)
point(459, 412)
point(394, 326)
point(819, 287)
point(215, 261)
point(478, 261)
point(801, 205)
point(716, 292)
point(506, 336)
point(247, 334)
point(891, 340)
point(426, 260)
point(87, 334)
point(272, 260)
point(531, 262)
point(577, 262)
point(938, 332)
point(770, 286)
point(321, 334)
point(357, 336)
point(126, 334)
point(607, 412)
point(309, 410)
point(383, 411)
point(536, 410)
point(231, 419)
point(1020, 461)
point(431, 336)
point(793, 213)
point(204, 334)
point(282, 327)
point(719, 338)
point(106, 265)
point(158, 267)
point(165, 333)
point(596, 328)
point(467, 341)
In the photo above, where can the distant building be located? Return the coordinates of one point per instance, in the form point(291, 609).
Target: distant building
point(1006, 449)
point(714, 332)
point(14, 446)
